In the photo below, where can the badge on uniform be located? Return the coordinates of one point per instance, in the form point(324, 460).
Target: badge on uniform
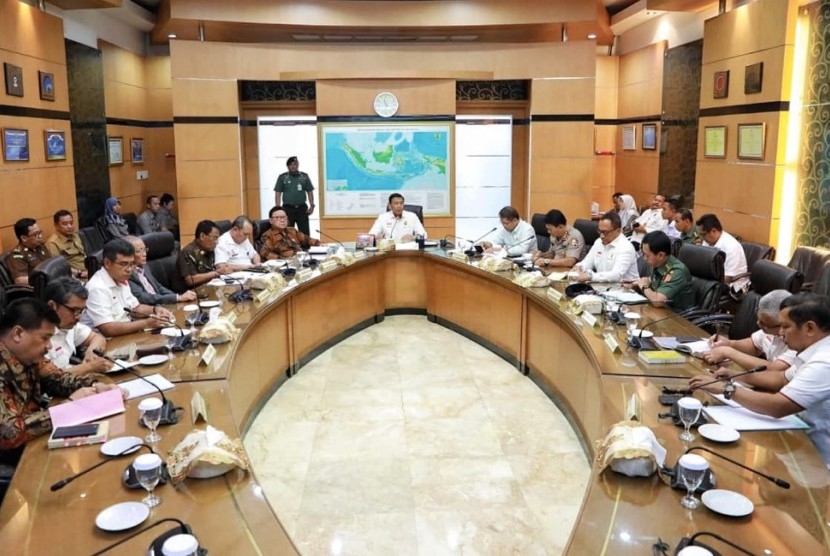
point(299, 187)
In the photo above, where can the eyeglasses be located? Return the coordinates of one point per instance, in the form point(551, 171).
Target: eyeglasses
point(606, 232)
point(77, 311)
point(124, 264)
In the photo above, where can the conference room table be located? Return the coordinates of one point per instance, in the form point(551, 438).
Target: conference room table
point(565, 356)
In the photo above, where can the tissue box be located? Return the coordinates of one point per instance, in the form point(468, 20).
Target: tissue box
point(589, 303)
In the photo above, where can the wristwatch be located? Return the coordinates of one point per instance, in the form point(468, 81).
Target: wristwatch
point(728, 390)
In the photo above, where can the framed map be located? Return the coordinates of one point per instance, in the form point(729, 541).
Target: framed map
point(364, 163)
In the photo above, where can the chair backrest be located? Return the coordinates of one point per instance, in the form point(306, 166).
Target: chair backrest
point(101, 224)
point(676, 246)
point(745, 321)
point(756, 251)
point(810, 262)
point(766, 276)
point(5, 273)
point(48, 270)
point(223, 225)
point(260, 227)
point(91, 238)
point(417, 209)
point(822, 283)
point(705, 264)
point(161, 259)
point(132, 221)
point(589, 230)
point(542, 236)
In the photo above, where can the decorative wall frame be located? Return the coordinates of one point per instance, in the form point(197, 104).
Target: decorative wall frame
point(14, 79)
point(15, 145)
point(754, 78)
point(54, 142)
point(649, 137)
point(115, 150)
point(720, 84)
point(629, 137)
point(137, 150)
point(47, 85)
point(751, 139)
point(714, 141)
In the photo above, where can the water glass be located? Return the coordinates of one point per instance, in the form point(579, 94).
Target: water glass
point(689, 409)
point(150, 409)
point(148, 472)
point(632, 319)
point(190, 314)
point(692, 469)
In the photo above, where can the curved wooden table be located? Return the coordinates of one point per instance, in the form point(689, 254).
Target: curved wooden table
point(568, 360)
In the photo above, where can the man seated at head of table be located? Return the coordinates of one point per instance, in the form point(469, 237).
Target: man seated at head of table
point(67, 297)
point(670, 282)
point(66, 243)
point(396, 223)
point(111, 306)
point(612, 257)
point(713, 235)
point(764, 347)
point(805, 385)
point(514, 237)
point(29, 251)
point(144, 285)
point(234, 247)
point(567, 246)
point(26, 329)
point(281, 241)
point(197, 260)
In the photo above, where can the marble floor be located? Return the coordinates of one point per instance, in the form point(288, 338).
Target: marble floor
point(408, 438)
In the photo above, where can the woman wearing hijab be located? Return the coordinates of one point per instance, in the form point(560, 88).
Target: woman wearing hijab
point(627, 209)
point(116, 225)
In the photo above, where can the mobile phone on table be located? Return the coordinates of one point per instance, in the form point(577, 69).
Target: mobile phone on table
point(75, 431)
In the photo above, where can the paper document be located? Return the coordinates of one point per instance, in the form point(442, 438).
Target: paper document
point(138, 387)
point(85, 410)
point(406, 246)
point(624, 296)
point(742, 419)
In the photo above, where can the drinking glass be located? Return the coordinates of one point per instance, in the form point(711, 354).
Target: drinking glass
point(689, 409)
point(190, 314)
point(150, 409)
point(692, 469)
point(610, 309)
point(148, 472)
point(632, 319)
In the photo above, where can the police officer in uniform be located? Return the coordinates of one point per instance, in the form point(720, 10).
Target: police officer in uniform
point(291, 190)
point(567, 246)
point(29, 251)
point(670, 279)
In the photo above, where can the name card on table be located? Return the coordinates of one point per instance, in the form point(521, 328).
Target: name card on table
point(328, 264)
point(208, 354)
point(555, 295)
point(303, 275)
point(459, 256)
point(589, 319)
point(231, 317)
point(612, 344)
point(263, 295)
point(198, 408)
point(359, 255)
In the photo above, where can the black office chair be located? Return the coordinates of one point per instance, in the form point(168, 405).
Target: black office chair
point(260, 227)
point(132, 222)
point(162, 260)
point(589, 230)
point(542, 236)
point(45, 272)
point(822, 283)
point(705, 264)
point(810, 262)
point(756, 252)
point(223, 225)
point(417, 209)
point(11, 290)
point(92, 239)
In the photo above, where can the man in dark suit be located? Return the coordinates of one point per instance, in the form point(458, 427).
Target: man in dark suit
point(144, 285)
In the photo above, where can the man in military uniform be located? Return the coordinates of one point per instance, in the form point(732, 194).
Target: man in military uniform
point(29, 251)
point(670, 280)
point(567, 246)
point(196, 262)
point(291, 189)
point(280, 241)
point(684, 222)
point(66, 243)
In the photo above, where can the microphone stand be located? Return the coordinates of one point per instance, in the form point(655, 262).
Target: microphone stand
point(780, 482)
point(158, 542)
point(337, 241)
point(241, 295)
point(184, 341)
point(169, 412)
point(690, 541)
point(687, 391)
point(638, 342)
point(512, 245)
point(472, 251)
point(63, 482)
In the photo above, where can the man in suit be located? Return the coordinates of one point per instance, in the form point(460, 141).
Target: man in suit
point(144, 285)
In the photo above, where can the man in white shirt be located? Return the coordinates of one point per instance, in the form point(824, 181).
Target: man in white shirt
point(515, 237)
point(612, 257)
point(805, 327)
point(711, 231)
point(67, 297)
point(670, 208)
point(234, 247)
point(650, 221)
point(110, 296)
point(396, 223)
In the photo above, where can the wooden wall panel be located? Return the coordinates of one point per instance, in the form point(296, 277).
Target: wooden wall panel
point(205, 97)
point(405, 283)
point(765, 25)
point(776, 78)
point(607, 84)
point(567, 95)
point(355, 97)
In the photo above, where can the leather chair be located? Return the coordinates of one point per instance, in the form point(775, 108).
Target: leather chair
point(48, 270)
point(705, 264)
point(92, 239)
point(417, 209)
point(101, 224)
point(223, 225)
point(542, 236)
point(11, 290)
point(260, 227)
point(161, 260)
point(810, 262)
point(132, 222)
point(756, 252)
point(589, 230)
point(822, 283)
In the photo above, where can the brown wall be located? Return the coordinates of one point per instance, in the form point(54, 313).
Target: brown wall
point(605, 135)
point(33, 40)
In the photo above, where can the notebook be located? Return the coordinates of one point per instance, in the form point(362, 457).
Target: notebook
point(661, 357)
point(90, 408)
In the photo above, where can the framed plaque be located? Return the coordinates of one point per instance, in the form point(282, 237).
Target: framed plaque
point(720, 85)
point(649, 137)
point(115, 150)
point(629, 137)
point(754, 78)
point(15, 145)
point(47, 85)
point(137, 150)
point(751, 141)
point(714, 141)
point(55, 144)
point(14, 79)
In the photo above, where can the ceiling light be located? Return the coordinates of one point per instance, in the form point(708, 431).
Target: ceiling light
point(172, 36)
point(592, 36)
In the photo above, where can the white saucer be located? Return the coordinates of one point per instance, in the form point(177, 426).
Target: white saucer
point(116, 446)
point(117, 368)
point(727, 502)
point(275, 262)
point(645, 333)
point(191, 307)
point(217, 283)
point(718, 433)
point(371, 249)
point(208, 304)
point(156, 359)
point(123, 516)
point(172, 332)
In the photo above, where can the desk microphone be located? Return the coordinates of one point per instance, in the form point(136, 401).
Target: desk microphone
point(757, 369)
point(485, 235)
point(444, 243)
point(158, 542)
point(780, 482)
point(169, 412)
point(638, 342)
point(184, 340)
point(512, 245)
point(692, 541)
point(63, 482)
point(476, 250)
point(242, 294)
point(337, 241)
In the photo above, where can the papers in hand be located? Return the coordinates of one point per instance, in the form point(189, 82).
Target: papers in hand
point(138, 387)
point(85, 410)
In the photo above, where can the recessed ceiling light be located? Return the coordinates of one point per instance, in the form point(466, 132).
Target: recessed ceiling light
point(592, 35)
point(172, 36)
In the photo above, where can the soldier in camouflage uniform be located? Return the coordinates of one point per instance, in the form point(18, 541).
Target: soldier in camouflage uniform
point(684, 221)
point(670, 282)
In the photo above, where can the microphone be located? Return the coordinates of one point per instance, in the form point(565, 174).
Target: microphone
point(757, 369)
point(476, 250)
point(780, 482)
point(242, 294)
point(512, 245)
point(485, 235)
point(638, 342)
point(337, 241)
point(183, 342)
point(445, 244)
point(692, 541)
point(63, 482)
point(392, 231)
point(169, 412)
point(158, 542)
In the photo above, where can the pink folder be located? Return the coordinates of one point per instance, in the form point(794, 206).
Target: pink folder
point(85, 410)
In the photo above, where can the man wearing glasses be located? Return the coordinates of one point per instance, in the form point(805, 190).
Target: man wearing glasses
point(612, 257)
point(280, 241)
point(29, 251)
point(111, 306)
point(67, 297)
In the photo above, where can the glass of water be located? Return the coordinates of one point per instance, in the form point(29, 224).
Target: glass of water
point(692, 469)
point(689, 409)
point(150, 409)
point(148, 472)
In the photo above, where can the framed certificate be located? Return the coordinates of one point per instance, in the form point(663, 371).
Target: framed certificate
point(751, 141)
point(55, 144)
point(714, 141)
point(15, 145)
point(649, 137)
point(137, 150)
point(629, 137)
point(115, 150)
